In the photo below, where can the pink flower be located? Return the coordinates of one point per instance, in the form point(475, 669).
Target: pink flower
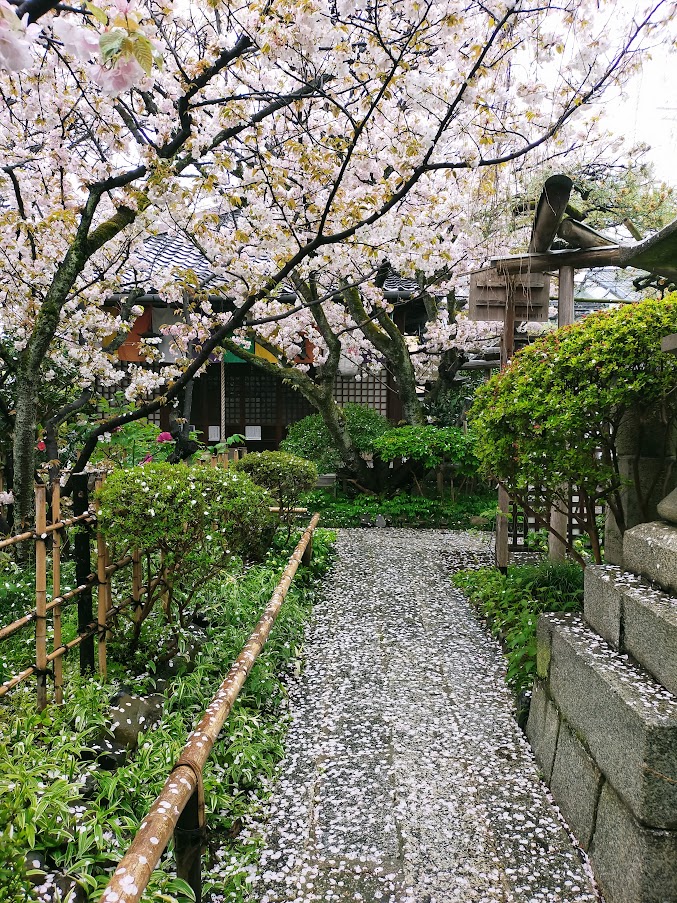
point(113, 80)
point(164, 437)
point(41, 445)
point(80, 41)
point(147, 459)
point(16, 37)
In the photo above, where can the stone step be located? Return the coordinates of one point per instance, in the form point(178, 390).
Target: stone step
point(634, 617)
point(651, 551)
point(625, 720)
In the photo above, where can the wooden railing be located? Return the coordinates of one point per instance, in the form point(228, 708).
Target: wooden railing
point(179, 810)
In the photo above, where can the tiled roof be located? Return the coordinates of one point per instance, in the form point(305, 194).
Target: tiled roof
point(161, 254)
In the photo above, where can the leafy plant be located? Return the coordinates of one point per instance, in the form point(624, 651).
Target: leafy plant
point(285, 476)
point(555, 415)
point(133, 443)
point(195, 517)
point(432, 446)
point(511, 604)
point(403, 509)
point(309, 437)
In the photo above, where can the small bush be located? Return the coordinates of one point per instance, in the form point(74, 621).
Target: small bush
point(512, 603)
point(285, 476)
point(197, 517)
point(432, 446)
point(309, 438)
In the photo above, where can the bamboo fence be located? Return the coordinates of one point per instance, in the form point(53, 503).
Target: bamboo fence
point(50, 662)
point(179, 810)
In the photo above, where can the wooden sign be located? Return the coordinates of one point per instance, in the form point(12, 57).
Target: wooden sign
point(489, 295)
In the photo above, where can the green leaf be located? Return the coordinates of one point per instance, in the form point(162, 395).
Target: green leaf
point(97, 12)
point(110, 43)
point(143, 52)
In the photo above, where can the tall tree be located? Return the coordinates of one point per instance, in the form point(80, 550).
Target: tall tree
point(269, 135)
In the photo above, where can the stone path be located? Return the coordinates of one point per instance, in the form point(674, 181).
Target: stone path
point(406, 777)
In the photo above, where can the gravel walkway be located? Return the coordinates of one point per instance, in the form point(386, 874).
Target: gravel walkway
point(406, 777)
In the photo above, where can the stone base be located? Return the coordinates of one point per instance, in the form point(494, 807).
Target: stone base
point(634, 617)
point(605, 735)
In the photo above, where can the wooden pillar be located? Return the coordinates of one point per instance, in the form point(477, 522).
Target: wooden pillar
point(559, 515)
point(507, 351)
point(41, 593)
point(83, 568)
point(103, 595)
point(56, 590)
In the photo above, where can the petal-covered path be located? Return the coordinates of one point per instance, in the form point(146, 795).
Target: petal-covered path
point(406, 777)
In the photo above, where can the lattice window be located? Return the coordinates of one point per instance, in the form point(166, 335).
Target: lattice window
point(370, 391)
point(260, 402)
point(294, 406)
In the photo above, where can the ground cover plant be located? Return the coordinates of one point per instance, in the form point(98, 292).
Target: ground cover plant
point(403, 509)
point(72, 816)
point(511, 603)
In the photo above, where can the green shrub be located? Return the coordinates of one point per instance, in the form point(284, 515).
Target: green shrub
point(196, 517)
point(512, 603)
point(401, 510)
point(285, 476)
point(432, 446)
point(309, 438)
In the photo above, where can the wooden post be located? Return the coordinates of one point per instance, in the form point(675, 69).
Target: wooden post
point(559, 516)
point(222, 421)
point(41, 592)
point(189, 839)
point(56, 590)
point(83, 568)
point(507, 351)
point(103, 594)
point(308, 553)
point(137, 581)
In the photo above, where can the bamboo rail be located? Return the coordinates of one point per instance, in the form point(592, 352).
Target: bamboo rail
point(89, 516)
point(58, 653)
point(12, 628)
point(179, 809)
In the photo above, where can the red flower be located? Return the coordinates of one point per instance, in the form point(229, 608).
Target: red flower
point(41, 445)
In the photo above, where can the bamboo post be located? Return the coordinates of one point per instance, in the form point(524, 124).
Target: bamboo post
point(103, 594)
point(83, 567)
point(41, 593)
point(236, 454)
point(56, 591)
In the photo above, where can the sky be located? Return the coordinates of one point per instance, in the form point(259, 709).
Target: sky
point(648, 113)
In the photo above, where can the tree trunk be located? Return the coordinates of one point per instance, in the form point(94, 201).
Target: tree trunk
point(25, 428)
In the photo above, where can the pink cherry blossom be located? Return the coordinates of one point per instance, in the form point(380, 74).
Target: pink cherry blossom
point(123, 75)
point(16, 38)
point(79, 40)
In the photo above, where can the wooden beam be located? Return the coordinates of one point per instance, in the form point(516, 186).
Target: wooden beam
point(554, 260)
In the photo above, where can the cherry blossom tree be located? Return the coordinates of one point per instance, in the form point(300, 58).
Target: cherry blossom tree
point(283, 140)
